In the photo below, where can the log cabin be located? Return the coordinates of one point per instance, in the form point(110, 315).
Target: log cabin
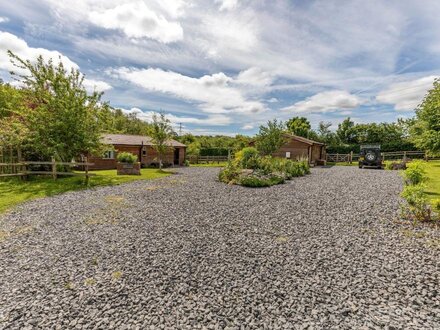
point(297, 147)
point(141, 146)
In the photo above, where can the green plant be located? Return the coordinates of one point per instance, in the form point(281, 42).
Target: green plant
point(436, 204)
point(418, 208)
point(186, 162)
point(161, 132)
point(255, 181)
point(126, 157)
point(415, 172)
point(247, 158)
point(229, 173)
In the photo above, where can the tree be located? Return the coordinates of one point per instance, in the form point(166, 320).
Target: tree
point(161, 132)
point(13, 132)
point(299, 126)
point(270, 138)
point(62, 119)
point(425, 131)
point(345, 131)
point(326, 135)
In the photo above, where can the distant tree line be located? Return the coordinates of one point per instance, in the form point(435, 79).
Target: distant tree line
point(50, 113)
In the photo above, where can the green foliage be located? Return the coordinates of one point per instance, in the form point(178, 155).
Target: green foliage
point(436, 204)
point(255, 181)
point(415, 172)
point(418, 208)
point(251, 170)
point(229, 173)
point(299, 126)
point(127, 157)
point(270, 138)
point(62, 119)
point(425, 129)
point(214, 152)
point(116, 121)
point(247, 158)
point(160, 133)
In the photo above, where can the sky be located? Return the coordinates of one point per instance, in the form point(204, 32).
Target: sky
point(228, 66)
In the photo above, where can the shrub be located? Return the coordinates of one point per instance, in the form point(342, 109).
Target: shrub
point(247, 158)
point(436, 204)
point(229, 173)
point(255, 181)
point(127, 157)
point(186, 162)
point(415, 172)
point(418, 208)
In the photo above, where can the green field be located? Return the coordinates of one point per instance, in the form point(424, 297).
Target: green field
point(433, 183)
point(14, 190)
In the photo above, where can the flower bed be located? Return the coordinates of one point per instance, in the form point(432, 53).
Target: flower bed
point(252, 170)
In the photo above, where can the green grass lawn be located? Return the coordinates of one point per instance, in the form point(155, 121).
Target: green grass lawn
point(433, 183)
point(14, 191)
point(215, 164)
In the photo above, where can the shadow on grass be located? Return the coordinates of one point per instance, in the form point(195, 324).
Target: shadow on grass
point(15, 190)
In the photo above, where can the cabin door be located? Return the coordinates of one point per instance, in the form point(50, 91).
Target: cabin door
point(176, 156)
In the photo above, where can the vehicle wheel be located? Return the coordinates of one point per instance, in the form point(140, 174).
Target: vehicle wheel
point(360, 166)
point(370, 156)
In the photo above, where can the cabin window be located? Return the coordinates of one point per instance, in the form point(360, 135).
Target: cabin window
point(144, 151)
point(110, 154)
point(287, 154)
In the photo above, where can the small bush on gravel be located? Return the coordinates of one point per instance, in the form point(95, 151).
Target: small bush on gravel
point(247, 158)
point(127, 157)
point(256, 181)
point(230, 173)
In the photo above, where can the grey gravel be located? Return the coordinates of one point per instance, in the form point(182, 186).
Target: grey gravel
point(187, 252)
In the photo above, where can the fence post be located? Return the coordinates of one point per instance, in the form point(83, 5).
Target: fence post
point(404, 156)
point(54, 168)
point(351, 157)
point(86, 168)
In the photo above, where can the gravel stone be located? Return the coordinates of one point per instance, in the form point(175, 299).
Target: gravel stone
point(324, 251)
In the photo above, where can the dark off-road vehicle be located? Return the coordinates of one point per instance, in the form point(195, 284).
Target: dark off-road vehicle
point(370, 156)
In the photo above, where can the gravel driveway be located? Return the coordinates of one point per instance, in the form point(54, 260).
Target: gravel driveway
point(188, 252)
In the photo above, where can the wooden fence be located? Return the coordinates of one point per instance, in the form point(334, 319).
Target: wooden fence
point(52, 168)
point(207, 159)
point(394, 155)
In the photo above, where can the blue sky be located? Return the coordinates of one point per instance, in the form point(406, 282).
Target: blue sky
point(227, 66)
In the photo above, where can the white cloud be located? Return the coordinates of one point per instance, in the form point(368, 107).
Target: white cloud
point(213, 93)
point(406, 95)
point(227, 4)
point(96, 85)
point(247, 126)
point(137, 20)
point(212, 120)
point(326, 102)
point(254, 77)
point(19, 47)
point(272, 100)
point(4, 19)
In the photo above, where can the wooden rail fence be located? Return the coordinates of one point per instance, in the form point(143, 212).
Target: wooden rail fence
point(24, 168)
point(393, 155)
point(208, 159)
